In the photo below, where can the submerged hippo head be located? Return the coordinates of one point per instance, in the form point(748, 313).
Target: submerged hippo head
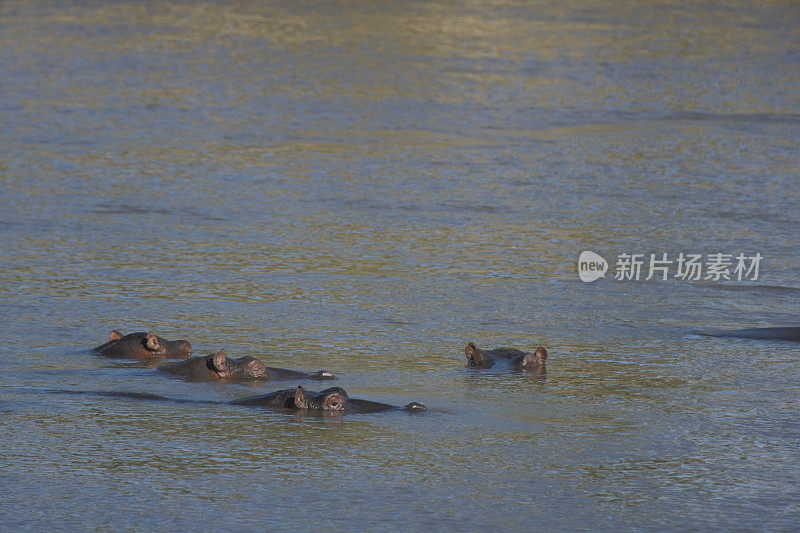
point(332, 401)
point(242, 368)
point(218, 367)
point(143, 345)
point(516, 359)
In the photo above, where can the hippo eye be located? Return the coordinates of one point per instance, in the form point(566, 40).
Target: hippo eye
point(335, 404)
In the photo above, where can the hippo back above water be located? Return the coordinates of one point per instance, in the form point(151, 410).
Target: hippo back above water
point(506, 357)
point(142, 345)
point(771, 334)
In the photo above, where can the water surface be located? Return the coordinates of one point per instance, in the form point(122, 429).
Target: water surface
point(365, 188)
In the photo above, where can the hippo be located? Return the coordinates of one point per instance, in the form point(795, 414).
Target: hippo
point(219, 367)
point(508, 357)
point(333, 400)
point(778, 334)
point(143, 345)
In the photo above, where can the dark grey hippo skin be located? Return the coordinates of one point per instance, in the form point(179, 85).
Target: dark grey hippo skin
point(777, 334)
point(507, 358)
point(219, 367)
point(143, 345)
point(333, 400)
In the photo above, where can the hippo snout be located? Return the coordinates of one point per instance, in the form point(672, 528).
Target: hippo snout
point(415, 407)
point(184, 348)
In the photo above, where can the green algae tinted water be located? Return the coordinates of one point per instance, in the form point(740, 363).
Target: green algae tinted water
point(364, 188)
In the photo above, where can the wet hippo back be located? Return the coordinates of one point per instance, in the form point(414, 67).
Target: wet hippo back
point(279, 374)
point(778, 334)
point(356, 405)
point(142, 345)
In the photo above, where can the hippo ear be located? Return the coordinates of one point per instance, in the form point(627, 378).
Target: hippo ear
point(151, 342)
point(219, 361)
point(473, 354)
point(115, 335)
point(469, 350)
point(538, 358)
point(300, 398)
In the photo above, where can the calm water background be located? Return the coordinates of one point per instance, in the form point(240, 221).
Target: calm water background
point(365, 187)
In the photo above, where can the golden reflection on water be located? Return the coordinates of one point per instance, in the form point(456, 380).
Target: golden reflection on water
point(392, 48)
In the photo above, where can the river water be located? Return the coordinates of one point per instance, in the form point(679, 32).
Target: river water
point(365, 187)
